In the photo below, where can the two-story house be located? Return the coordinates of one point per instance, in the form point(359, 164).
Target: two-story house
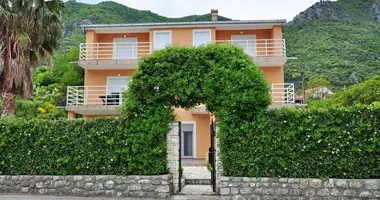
point(112, 51)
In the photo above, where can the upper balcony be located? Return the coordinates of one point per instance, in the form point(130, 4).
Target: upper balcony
point(125, 55)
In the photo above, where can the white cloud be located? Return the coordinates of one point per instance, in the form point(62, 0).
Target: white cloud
point(236, 9)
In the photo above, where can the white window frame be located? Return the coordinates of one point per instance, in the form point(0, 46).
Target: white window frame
point(126, 87)
point(194, 139)
point(161, 31)
point(201, 30)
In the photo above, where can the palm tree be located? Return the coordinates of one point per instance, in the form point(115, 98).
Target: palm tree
point(29, 31)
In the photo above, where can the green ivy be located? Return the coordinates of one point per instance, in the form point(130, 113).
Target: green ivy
point(222, 77)
point(100, 146)
point(299, 143)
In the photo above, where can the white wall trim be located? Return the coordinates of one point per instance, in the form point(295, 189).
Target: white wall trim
point(162, 31)
point(202, 30)
point(194, 123)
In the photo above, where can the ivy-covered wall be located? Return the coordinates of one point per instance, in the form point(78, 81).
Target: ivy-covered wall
point(301, 143)
point(101, 146)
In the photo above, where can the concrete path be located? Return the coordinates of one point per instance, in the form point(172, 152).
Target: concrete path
point(36, 197)
point(196, 173)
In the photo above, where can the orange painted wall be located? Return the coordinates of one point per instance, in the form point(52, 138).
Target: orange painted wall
point(183, 36)
point(274, 74)
point(260, 34)
point(202, 123)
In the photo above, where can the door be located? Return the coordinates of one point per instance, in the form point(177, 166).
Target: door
point(124, 48)
point(212, 154)
point(162, 39)
point(116, 85)
point(188, 140)
point(247, 42)
point(201, 37)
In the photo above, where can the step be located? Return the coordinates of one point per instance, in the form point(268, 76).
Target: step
point(197, 190)
point(198, 181)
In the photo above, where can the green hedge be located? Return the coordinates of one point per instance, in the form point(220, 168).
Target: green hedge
point(335, 143)
point(87, 147)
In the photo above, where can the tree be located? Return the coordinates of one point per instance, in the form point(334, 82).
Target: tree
point(30, 30)
point(319, 88)
point(365, 93)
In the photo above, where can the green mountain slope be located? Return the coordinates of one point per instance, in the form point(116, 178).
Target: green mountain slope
point(337, 40)
point(109, 12)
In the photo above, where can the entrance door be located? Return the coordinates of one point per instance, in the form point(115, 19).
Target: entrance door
point(247, 42)
point(188, 140)
point(116, 85)
point(124, 48)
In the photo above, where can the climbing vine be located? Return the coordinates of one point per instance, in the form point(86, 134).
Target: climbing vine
point(221, 76)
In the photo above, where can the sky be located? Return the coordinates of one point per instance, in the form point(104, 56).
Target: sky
point(235, 9)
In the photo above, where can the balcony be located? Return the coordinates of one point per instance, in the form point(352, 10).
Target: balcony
point(125, 55)
point(119, 55)
point(103, 100)
point(265, 52)
point(94, 100)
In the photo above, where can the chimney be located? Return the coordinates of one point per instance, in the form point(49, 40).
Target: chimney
point(214, 14)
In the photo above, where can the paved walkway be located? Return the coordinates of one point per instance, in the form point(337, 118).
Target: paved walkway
point(36, 197)
point(200, 172)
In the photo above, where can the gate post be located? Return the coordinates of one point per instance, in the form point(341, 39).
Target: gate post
point(218, 163)
point(173, 154)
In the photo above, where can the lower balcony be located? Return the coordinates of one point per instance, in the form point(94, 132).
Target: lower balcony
point(103, 100)
point(94, 100)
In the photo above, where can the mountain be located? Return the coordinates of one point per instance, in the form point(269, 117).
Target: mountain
point(109, 12)
point(339, 40)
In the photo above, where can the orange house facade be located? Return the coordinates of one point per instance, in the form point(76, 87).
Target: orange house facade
point(111, 53)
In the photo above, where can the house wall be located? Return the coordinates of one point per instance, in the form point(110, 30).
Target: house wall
point(273, 74)
point(183, 36)
point(202, 123)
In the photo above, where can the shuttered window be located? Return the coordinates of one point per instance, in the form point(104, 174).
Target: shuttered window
point(201, 37)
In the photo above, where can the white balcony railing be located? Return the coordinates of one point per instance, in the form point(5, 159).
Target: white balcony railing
point(114, 51)
point(282, 93)
point(95, 95)
point(260, 48)
point(136, 50)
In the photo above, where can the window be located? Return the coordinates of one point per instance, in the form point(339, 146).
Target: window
point(116, 85)
point(124, 48)
point(201, 37)
point(162, 39)
point(247, 42)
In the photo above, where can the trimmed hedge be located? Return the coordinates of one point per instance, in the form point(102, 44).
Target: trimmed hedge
point(299, 143)
point(101, 146)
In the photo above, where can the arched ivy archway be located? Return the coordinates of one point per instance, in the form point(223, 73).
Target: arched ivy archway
point(221, 76)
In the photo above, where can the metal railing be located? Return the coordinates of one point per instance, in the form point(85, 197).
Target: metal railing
point(114, 50)
point(261, 47)
point(95, 95)
point(136, 50)
point(283, 93)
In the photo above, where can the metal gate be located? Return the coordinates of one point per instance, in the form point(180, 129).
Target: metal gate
point(211, 155)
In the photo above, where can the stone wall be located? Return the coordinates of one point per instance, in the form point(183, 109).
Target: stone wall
point(89, 186)
point(298, 189)
point(173, 154)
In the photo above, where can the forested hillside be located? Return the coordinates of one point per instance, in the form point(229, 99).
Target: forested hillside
point(337, 40)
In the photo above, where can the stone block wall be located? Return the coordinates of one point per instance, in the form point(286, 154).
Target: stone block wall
point(173, 154)
point(89, 186)
point(298, 189)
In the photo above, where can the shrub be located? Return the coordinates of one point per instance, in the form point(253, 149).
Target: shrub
point(80, 147)
point(335, 143)
point(222, 77)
